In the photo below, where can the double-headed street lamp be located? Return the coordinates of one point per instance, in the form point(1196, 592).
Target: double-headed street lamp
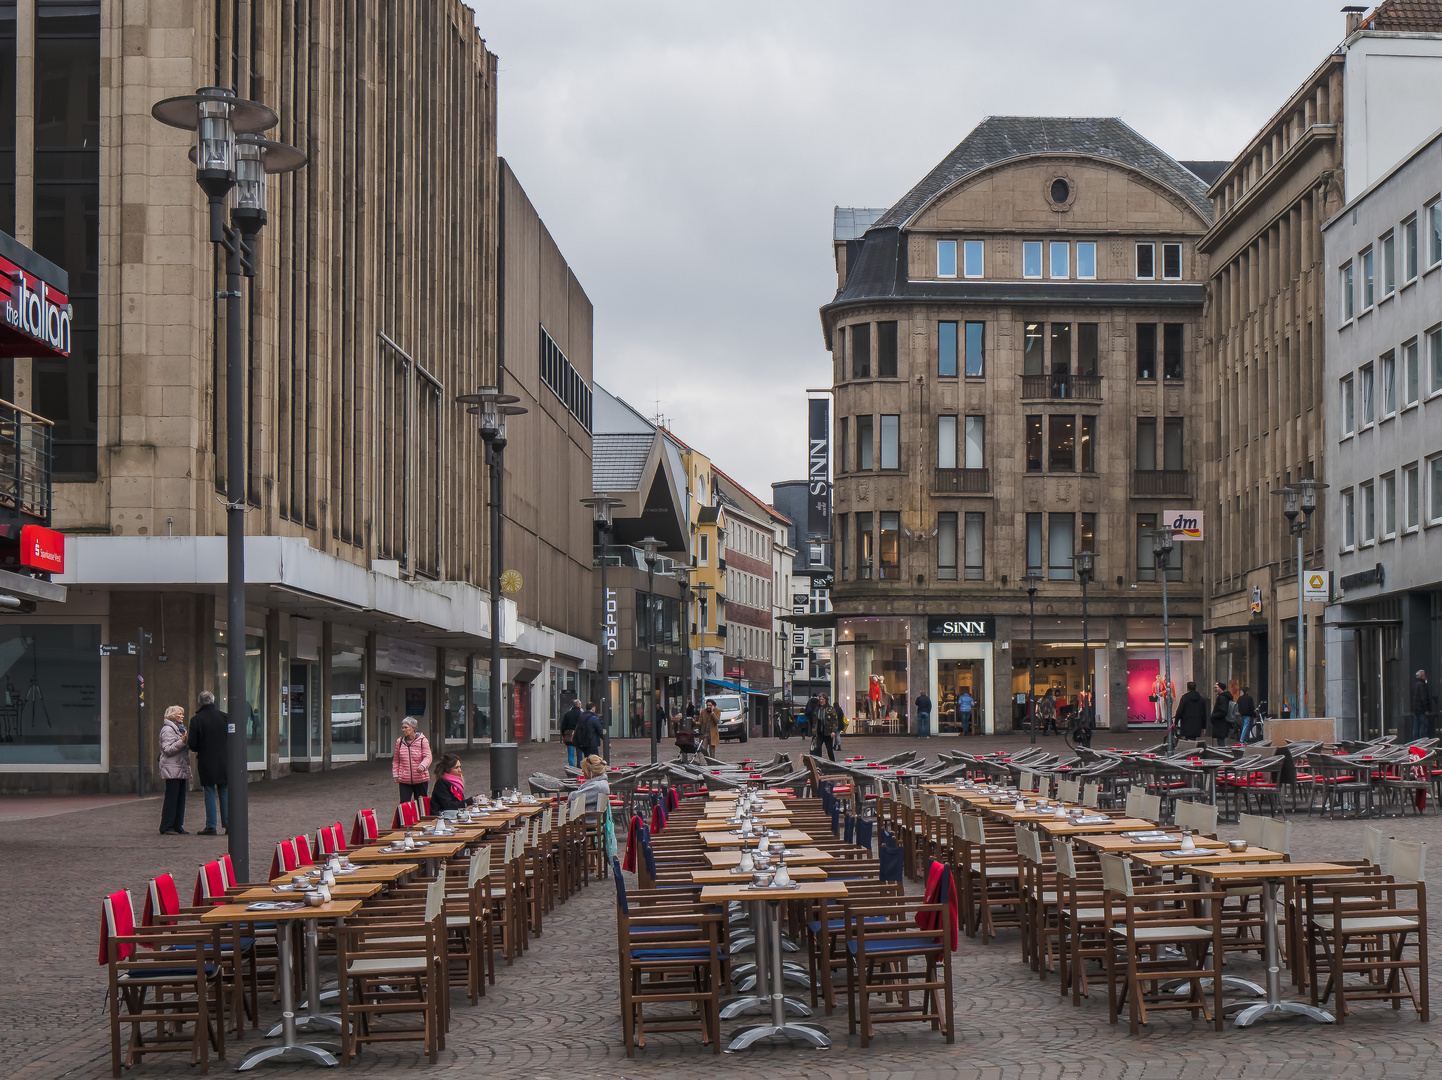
point(1162, 561)
point(1086, 564)
point(701, 588)
point(602, 506)
point(230, 155)
point(491, 407)
point(649, 547)
point(683, 578)
point(1031, 579)
point(1300, 498)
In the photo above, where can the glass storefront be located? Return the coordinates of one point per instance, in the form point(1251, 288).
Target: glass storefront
point(455, 697)
point(254, 692)
point(52, 711)
point(303, 692)
point(1062, 669)
point(481, 698)
point(347, 702)
point(874, 684)
point(953, 679)
point(564, 690)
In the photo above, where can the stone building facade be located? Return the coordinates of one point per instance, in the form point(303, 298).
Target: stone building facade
point(376, 300)
point(1016, 379)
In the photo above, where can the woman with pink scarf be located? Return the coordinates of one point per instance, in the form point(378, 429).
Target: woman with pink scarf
point(449, 792)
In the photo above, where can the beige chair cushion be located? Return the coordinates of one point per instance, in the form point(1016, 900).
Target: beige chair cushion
point(386, 965)
point(1165, 933)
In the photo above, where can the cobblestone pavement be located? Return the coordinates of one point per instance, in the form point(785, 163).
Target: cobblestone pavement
point(555, 1012)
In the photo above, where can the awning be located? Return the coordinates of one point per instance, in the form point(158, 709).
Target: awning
point(738, 688)
point(821, 620)
point(1238, 628)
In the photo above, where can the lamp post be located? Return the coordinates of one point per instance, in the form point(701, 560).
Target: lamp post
point(683, 578)
point(649, 546)
point(702, 588)
point(1085, 562)
point(491, 407)
point(601, 506)
point(230, 155)
point(1162, 561)
point(1031, 587)
point(1300, 497)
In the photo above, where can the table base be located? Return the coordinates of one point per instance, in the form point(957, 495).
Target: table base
point(1263, 1009)
point(1229, 982)
point(740, 1005)
point(309, 1022)
point(310, 1053)
point(811, 1033)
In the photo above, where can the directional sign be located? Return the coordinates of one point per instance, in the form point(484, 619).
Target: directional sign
point(110, 650)
point(1317, 585)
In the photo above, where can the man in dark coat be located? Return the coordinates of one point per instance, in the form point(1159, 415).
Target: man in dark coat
point(1192, 713)
point(1221, 723)
point(587, 739)
point(1421, 706)
point(569, 722)
point(210, 739)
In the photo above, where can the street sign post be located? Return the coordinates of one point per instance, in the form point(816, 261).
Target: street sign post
point(1317, 585)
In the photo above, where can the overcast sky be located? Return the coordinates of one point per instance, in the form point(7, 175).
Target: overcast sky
point(686, 157)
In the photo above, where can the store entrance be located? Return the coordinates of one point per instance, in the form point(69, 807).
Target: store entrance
point(955, 679)
point(1060, 672)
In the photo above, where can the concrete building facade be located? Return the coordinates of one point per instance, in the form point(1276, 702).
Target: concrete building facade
point(809, 655)
point(1016, 379)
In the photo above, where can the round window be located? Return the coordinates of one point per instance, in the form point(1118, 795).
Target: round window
point(1060, 191)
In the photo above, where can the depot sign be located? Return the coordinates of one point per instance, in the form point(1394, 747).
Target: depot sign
point(36, 313)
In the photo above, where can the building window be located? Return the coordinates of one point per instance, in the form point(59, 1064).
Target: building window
point(704, 558)
point(1389, 383)
point(1146, 443)
point(1088, 444)
point(975, 546)
point(1349, 422)
point(565, 381)
point(843, 563)
point(1087, 348)
point(886, 350)
point(1172, 350)
point(1349, 522)
point(1410, 381)
point(1031, 259)
point(890, 564)
point(1369, 512)
point(946, 350)
point(1348, 295)
point(1434, 353)
point(1172, 261)
point(1060, 352)
point(975, 349)
point(864, 548)
point(946, 442)
point(861, 351)
point(1146, 561)
point(1172, 443)
point(1088, 539)
point(973, 253)
point(1060, 260)
point(1389, 506)
point(1061, 538)
point(1033, 544)
point(1434, 488)
point(1369, 284)
point(891, 442)
point(1411, 496)
point(1061, 443)
point(864, 443)
point(976, 442)
point(946, 546)
point(1146, 350)
point(1086, 260)
point(1367, 401)
point(1409, 249)
point(1389, 265)
point(946, 258)
point(843, 442)
point(1033, 444)
point(1033, 357)
point(1434, 233)
point(56, 720)
point(1146, 261)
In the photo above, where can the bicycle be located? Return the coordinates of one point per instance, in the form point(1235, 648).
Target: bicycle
point(785, 726)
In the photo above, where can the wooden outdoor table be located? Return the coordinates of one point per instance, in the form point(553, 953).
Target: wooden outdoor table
point(715, 809)
point(728, 838)
point(1115, 825)
point(1031, 813)
point(434, 849)
point(341, 890)
point(314, 1053)
point(1116, 844)
point(1210, 857)
point(771, 821)
point(726, 877)
point(1271, 875)
point(382, 872)
point(806, 856)
point(466, 833)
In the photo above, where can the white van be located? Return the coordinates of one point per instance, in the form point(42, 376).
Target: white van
point(733, 715)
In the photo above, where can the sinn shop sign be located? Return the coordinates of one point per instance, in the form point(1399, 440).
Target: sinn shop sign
point(961, 628)
point(34, 310)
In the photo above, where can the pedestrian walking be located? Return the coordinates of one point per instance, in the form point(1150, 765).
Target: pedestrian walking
point(449, 792)
point(1221, 724)
point(569, 722)
point(587, 738)
point(711, 727)
point(830, 727)
point(1421, 707)
point(411, 762)
point(923, 716)
point(965, 705)
point(813, 709)
point(1246, 713)
point(1191, 713)
point(209, 737)
point(1046, 711)
point(174, 769)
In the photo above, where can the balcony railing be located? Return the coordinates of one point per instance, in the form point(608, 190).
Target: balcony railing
point(633, 557)
point(1082, 387)
point(961, 481)
point(1161, 482)
point(25, 465)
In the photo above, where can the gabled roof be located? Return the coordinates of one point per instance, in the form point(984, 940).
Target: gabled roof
point(764, 506)
point(1206, 171)
point(1001, 138)
point(618, 462)
point(1406, 16)
point(849, 222)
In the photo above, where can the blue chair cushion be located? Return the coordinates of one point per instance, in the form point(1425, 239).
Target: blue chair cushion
point(670, 954)
point(140, 973)
point(246, 944)
point(886, 945)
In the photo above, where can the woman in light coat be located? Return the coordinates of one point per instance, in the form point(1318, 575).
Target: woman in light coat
point(174, 770)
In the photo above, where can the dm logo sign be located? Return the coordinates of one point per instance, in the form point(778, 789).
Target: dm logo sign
point(1186, 524)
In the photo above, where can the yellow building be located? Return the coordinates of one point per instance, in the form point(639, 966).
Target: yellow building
point(707, 524)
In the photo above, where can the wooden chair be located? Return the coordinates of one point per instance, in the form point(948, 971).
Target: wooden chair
point(1142, 920)
point(884, 938)
point(239, 972)
point(1082, 931)
point(991, 878)
point(1377, 930)
point(470, 933)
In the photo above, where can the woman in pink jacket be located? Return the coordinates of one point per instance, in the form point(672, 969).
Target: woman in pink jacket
point(411, 762)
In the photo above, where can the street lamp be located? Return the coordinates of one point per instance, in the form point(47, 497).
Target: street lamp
point(1300, 497)
point(601, 506)
point(683, 578)
point(229, 154)
point(701, 588)
point(1162, 562)
point(649, 546)
point(490, 407)
point(1031, 586)
point(1086, 563)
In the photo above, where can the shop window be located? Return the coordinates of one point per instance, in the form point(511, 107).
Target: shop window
point(254, 693)
point(455, 701)
point(347, 703)
point(1033, 444)
point(864, 546)
point(975, 349)
point(1146, 350)
point(891, 442)
point(861, 351)
point(1061, 540)
point(1033, 544)
point(946, 350)
point(889, 565)
point(54, 701)
point(886, 350)
point(946, 546)
point(946, 442)
point(1033, 357)
point(975, 546)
